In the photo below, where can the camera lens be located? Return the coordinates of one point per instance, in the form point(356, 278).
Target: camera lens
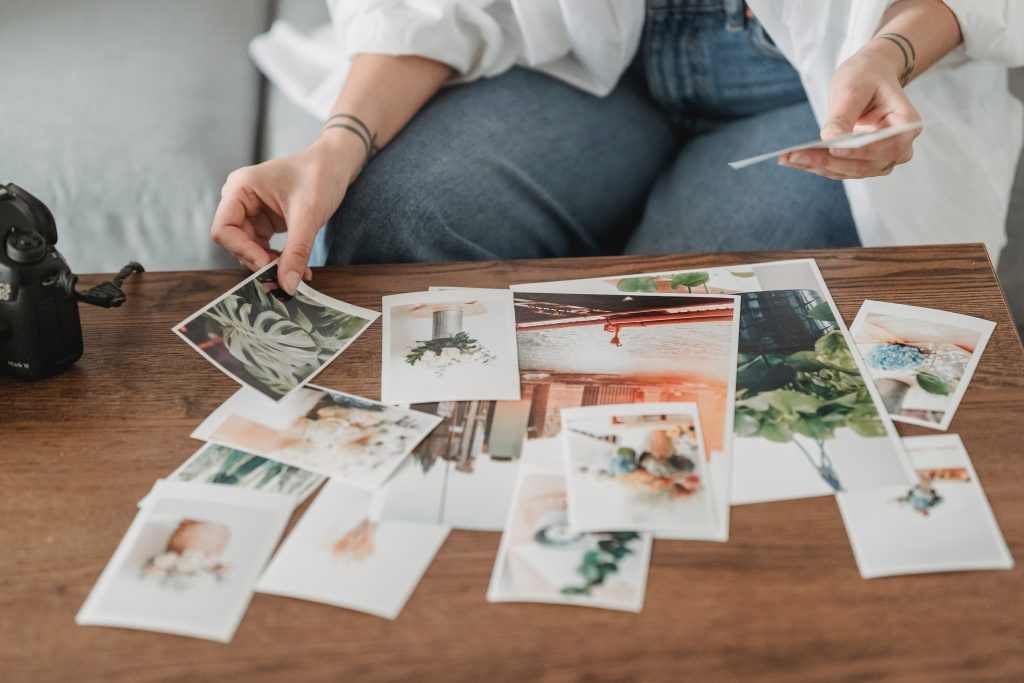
point(25, 247)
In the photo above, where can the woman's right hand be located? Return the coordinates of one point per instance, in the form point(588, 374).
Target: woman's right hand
point(297, 194)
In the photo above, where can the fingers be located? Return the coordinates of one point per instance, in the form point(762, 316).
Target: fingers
point(294, 262)
point(232, 230)
point(820, 162)
point(846, 104)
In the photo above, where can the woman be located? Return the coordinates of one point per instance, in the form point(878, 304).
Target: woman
point(526, 162)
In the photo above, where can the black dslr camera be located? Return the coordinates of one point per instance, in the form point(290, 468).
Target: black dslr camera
point(40, 332)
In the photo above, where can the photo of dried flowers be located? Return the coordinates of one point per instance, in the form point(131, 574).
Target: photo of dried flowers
point(269, 340)
point(920, 359)
point(188, 563)
point(542, 559)
point(637, 467)
point(338, 555)
point(331, 433)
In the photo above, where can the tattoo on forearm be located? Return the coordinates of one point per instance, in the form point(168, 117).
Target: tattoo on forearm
point(358, 127)
point(909, 53)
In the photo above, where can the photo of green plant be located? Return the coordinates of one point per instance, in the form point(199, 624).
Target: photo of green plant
point(272, 341)
point(216, 464)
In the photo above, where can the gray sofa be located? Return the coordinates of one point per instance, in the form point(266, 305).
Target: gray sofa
point(125, 116)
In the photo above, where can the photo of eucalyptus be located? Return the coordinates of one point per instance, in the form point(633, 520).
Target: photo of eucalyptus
point(542, 559)
point(449, 345)
point(274, 342)
point(920, 359)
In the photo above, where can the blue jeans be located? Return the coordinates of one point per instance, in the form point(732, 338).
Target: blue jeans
point(524, 166)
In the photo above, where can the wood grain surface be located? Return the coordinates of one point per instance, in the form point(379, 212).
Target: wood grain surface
point(782, 600)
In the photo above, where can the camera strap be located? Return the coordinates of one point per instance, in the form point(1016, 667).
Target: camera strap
point(106, 294)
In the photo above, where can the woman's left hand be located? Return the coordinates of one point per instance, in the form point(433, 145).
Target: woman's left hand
point(865, 94)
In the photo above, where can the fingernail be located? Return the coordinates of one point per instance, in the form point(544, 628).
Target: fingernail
point(291, 282)
point(841, 152)
point(308, 277)
point(800, 159)
point(783, 161)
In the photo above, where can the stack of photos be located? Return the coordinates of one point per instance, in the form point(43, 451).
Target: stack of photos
point(338, 555)
point(216, 464)
point(541, 559)
point(580, 350)
point(337, 435)
point(188, 563)
point(920, 359)
point(452, 345)
point(638, 467)
point(271, 341)
point(807, 422)
point(942, 523)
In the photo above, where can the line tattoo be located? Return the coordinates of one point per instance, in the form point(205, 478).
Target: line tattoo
point(360, 129)
point(909, 53)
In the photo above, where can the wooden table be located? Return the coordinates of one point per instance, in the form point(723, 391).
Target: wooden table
point(781, 600)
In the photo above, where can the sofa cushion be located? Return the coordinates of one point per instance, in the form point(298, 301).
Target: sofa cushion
point(125, 117)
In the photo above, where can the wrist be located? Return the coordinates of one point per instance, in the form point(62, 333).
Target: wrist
point(340, 153)
point(894, 54)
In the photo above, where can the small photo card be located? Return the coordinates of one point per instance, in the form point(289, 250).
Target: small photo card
point(920, 359)
point(338, 555)
point(188, 562)
point(639, 467)
point(338, 435)
point(264, 338)
point(223, 465)
point(942, 524)
point(449, 345)
point(541, 559)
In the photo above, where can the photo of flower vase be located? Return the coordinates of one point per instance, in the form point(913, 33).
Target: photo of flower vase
point(920, 359)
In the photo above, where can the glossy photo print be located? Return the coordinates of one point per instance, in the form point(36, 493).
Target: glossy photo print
point(217, 464)
point(271, 341)
point(340, 555)
point(807, 421)
point(541, 559)
point(449, 346)
point(188, 562)
point(920, 359)
point(637, 467)
point(331, 433)
point(941, 523)
point(579, 350)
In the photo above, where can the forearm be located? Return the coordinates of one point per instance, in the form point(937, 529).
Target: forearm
point(381, 96)
point(914, 35)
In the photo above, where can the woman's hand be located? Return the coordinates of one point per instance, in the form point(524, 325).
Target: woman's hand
point(866, 93)
point(297, 194)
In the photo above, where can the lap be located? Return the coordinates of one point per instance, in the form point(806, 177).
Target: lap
point(700, 204)
point(518, 166)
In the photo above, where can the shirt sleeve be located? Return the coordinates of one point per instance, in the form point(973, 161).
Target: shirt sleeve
point(477, 38)
point(993, 30)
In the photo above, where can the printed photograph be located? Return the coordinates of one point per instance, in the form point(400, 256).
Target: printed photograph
point(920, 359)
point(269, 340)
point(807, 423)
point(327, 432)
point(942, 523)
point(541, 559)
point(338, 555)
point(579, 350)
point(216, 464)
point(449, 345)
point(188, 562)
point(637, 468)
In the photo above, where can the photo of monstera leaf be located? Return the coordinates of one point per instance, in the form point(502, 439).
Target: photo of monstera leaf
point(271, 340)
